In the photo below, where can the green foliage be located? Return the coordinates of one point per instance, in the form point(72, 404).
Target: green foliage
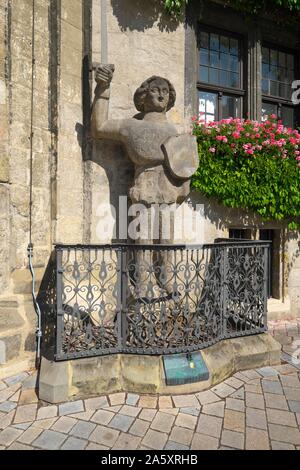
point(252, 7)
point(255, 167)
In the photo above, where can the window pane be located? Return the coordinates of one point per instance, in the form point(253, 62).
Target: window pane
point(208, 105)
point(214, 76)
point(230, 107)
point(204, 40)
point(222, 56)
point(204, 74)
point(287, 116)
point(267, 109)
point(204, 57)
point(278, 70)
point(214, 42)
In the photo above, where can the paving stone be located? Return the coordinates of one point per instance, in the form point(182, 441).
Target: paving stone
point(239, 394)
point(16, 379)
point(30, 435)
point(184, 401)
point(147, 415)
point(163, 422)
point(223, 390)
point(117, 399)
point(171, 411)
point(285, 369)
point(7, 406)
point(214, 409)
point(113, 409)
point(104, 436)
point(267, 371)
point(272, 387)
point(235, 404)
point(251, 374)
point(256, 439)
point(64, 424)
point(121, 422)
point(72, 443)
point(256, 418)
point(284, 434)
point(139, 427)
point(171, 445)
point(25, 413)
point(127, 442)
point(93, 446)
point(292, 393)
point(165, 402)
point(95, 403)
point(207, 397)
point(298, 418)
point(22, 426)
point(281, 417)
point(47, 412)
point(204, 442)
point(191, 411)
point(276, 401)
point(83, 429)
point(2, 385)
point(84, 416)
point(50, 440)
point(240, 376)
point(71, 408)
point(234, 420)
point(181, 435)
point(16, 396)
point(254, 400)
point(281, 446)
point(155, 440)
point(103, 417)
point(294, 406)
point(28, 397)
point(186, 421)
point(234, 382)
point(130, 410)
point(132, 399)
point(45, 423)
point(30, 383)
point(210, 425)
point(148, 402)
point(19, 446)
point(233, 439)
point(6, 420)
point(290, 381)
point(7, 393)
point(9, 435)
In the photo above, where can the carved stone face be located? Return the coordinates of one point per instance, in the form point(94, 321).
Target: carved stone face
point(157, 98)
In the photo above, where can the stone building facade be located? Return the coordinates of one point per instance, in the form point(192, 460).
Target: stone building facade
point(54, 181)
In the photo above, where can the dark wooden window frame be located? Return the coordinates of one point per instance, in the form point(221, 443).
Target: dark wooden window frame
point(222, 90)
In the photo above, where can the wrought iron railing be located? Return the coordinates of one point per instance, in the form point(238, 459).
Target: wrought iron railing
point(157, 299)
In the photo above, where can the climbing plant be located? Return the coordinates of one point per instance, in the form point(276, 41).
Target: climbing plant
point(251, 165)
point(252, 7)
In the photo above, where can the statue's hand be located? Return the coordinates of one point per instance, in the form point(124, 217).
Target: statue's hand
point(104, 75)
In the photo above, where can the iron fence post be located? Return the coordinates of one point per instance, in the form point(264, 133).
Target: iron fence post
point(59, 303)
point(266, 281)
point(224, 293)
point(124, 288)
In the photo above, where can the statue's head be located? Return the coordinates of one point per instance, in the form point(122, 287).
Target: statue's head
point(155, 94)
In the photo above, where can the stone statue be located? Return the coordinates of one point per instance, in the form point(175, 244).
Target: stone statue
point(164, 161)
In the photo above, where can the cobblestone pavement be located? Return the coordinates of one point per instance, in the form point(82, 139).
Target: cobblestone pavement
point(254, 409)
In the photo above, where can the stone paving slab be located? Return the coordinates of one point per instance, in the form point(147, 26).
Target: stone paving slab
point(255, 409)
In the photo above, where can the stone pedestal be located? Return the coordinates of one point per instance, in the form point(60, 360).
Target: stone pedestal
point(84, 378)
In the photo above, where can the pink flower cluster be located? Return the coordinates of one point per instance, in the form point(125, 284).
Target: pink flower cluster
point(248, 137)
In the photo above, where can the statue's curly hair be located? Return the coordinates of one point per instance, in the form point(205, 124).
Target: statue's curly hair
point(141, 92)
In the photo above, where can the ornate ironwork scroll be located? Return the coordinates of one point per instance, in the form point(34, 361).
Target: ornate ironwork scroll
point(157, 299)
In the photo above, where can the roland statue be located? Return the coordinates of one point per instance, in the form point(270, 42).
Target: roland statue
point(164, 161)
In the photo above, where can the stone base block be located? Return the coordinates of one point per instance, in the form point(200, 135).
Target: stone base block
point(84, 378)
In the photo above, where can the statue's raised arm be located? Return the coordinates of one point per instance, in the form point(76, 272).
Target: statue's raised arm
point(102, 127)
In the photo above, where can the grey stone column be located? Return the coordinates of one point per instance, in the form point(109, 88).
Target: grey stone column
point(253, 73)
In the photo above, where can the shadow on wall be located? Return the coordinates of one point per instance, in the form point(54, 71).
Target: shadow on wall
point(139, 15)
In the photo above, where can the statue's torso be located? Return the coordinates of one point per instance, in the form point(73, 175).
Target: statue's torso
point(153, 182)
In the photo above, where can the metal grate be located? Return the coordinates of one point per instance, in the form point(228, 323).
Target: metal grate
point(157, 299)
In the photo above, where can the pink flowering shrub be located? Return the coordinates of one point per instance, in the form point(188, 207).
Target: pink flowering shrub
point(252, 165)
